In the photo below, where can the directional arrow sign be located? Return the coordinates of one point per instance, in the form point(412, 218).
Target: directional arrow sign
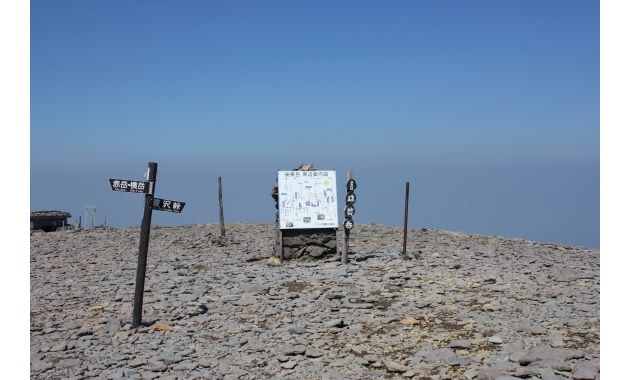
point(130, 186)
point(168, 205)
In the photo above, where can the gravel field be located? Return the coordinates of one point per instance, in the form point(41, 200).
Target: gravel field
point(461, 307)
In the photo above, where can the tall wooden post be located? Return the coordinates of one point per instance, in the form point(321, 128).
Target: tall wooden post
point(145, 230)
point(346, 240)
point(404, 249)
point(221, 221)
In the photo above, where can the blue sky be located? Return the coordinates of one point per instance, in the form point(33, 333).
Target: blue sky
point(489, 108)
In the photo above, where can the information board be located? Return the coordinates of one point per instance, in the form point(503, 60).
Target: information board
point(307, 199)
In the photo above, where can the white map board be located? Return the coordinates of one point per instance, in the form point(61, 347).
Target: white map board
point(307, 199)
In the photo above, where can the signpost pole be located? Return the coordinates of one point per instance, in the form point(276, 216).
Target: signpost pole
point(404, 249)
point(221, 221)
point(145, 229)
point(346, 240)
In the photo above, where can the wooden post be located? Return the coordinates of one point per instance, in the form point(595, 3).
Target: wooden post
point(404, 249)
point(145, 230)
point(221, 221)
point(346, 240)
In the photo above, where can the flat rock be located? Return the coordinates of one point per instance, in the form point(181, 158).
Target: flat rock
point(460, 343)
point(289, 350)
point(289, 365)
point(314, 353)
point(393, 366)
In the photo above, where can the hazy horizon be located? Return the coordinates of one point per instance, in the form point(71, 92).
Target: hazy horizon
point(490, 110)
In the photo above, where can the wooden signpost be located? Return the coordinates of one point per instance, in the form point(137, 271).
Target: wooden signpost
point(348, 212)
point(404, 247)
point(146, 187)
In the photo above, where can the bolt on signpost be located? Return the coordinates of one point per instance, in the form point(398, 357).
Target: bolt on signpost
point(150, 203)
point(348, 212)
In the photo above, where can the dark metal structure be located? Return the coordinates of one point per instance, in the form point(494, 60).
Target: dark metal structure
point(49, 220)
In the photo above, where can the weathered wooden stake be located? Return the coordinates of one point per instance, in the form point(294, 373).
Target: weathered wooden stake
point(221, 221)
point(145, 230)
point(404, 249)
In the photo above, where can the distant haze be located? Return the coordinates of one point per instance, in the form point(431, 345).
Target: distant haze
point(489, 109)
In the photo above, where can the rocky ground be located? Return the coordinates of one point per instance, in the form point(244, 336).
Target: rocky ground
point(463, 307)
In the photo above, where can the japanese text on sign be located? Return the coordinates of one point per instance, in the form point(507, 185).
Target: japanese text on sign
point(168, 205)
point(130, 186)
point(307, 199)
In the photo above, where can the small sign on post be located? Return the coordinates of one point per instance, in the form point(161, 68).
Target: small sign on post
point(131, 186)
point(168, 205)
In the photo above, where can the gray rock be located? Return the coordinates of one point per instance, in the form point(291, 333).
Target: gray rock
point(495, 339)
point(439, 355)
point(156, 365)
point(41, 366)
point(237, 342)
point(295, 329)
point(68, 363)
point(169, 358)
point(554, 364)
point(137, 362)
point(548, 374)
point(289, 365)
point(458, 361)
point(59, 346)
point(392, 366)
point(257, 289)
point(548, 353)
point(585, 371)
point(112, 326)
point(185, 366)
point(298, 349)
point(149, 375)
point(314, 353)
point(460, 343)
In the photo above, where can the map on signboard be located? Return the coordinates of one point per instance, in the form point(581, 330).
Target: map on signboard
point(307, 199)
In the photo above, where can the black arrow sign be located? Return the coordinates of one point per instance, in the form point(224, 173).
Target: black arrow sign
point(130, 186)
point(168, 205)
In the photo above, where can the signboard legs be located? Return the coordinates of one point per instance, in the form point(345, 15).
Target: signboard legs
point(145, 229)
